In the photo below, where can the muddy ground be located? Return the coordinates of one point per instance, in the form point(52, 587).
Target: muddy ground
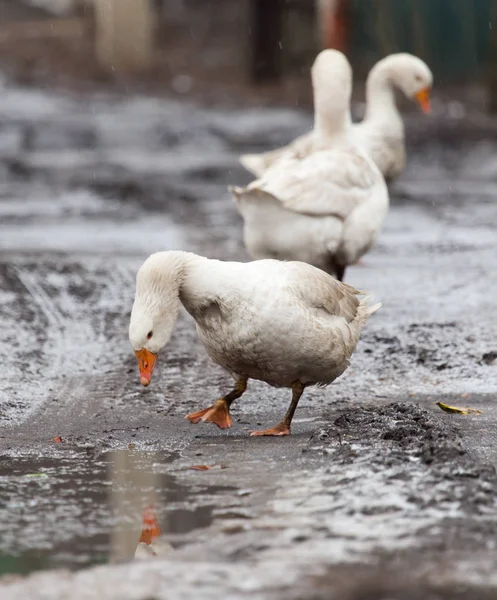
point(377, 494)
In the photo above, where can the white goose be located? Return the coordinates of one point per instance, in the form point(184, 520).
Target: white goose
point(324, 207)
point(381, 133)
point(285, 323)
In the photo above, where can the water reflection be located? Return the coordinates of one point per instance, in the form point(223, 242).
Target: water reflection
point(152, 541)
point(79, 509)
point(136, 490)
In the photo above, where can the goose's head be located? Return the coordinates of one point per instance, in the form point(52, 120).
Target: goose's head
point(155, 310)
point(411, 75)
point(332, 85)
point(331, 66)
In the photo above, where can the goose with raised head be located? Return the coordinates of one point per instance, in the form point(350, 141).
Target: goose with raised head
point(285, 323)
point(381, 132)
point(327, 206)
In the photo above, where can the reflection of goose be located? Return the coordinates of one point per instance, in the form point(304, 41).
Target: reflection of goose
point(135, 484)
point(151, 542)
point(381, 133)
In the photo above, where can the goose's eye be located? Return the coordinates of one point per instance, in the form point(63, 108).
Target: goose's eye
point(149, 335)
point(418, 77)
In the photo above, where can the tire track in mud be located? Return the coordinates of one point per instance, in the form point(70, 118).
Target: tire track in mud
point(84, 399)
point(82, 356)
point(22, 331)
point(56, 325)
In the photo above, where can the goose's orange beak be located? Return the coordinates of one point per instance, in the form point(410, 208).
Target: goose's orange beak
point(423, 98)
point(151, 528)
point(146, 364)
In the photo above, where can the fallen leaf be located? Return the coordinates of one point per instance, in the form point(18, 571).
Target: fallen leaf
point(131, 446)
point(40, 475)
point(56, 439)
point(205, 467)
point(457, 410)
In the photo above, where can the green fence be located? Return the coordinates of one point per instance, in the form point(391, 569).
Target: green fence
point(452, 36)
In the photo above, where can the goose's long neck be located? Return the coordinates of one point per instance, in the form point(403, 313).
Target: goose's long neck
point(331, 121)
point(168, 278)
point(381, 108)
point(164, 275)
point(200, 282)
point(167, 270)
point(177, 267)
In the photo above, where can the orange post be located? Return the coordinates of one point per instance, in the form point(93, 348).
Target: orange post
point(333, 24)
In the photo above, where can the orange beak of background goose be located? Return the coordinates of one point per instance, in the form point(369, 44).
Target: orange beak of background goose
point(146, 364)
point(423, 98)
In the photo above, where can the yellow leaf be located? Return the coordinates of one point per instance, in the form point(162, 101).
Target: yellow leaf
point(457, 410)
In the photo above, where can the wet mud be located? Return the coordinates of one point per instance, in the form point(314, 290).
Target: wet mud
point(382, 583)
point(422, 451)
point(405, 431)
point(375, 479)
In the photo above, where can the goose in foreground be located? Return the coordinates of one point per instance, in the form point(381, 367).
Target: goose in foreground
point(324, 207)
point(381, 133)
point(285, 323)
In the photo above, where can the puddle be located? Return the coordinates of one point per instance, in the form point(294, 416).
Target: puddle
point(76, 511)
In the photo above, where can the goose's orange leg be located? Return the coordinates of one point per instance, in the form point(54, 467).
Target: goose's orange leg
point(284, 427)
point(219, 412)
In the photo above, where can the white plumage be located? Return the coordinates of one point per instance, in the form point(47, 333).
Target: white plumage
point(381, 133)
point(285, 323)
point(324, 205)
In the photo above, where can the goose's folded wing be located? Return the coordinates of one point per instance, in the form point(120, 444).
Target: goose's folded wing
point(323, 183)
point(319, 290)
point(258, 164)
point(254, 197)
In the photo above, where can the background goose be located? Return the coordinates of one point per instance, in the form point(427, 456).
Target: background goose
point(382, 131)
point(287, 324)
point(325, 206)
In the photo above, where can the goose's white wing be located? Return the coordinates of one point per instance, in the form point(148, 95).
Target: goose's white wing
point(325, 183)
point(318, 290)
point(258, 164)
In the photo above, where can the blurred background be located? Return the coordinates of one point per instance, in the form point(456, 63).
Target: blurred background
point(244, 51)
